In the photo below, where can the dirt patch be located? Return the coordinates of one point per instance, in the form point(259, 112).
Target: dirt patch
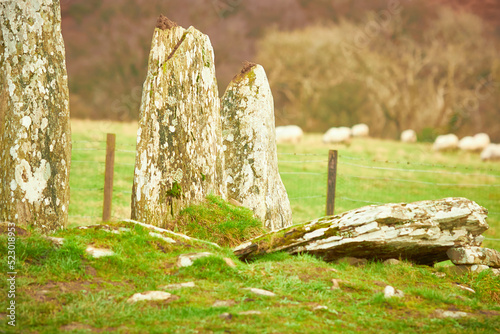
point(78, 326)
point(317, 273)
point(164, 23)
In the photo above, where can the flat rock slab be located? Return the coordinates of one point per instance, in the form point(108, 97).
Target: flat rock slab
point(421, 232)
point(152, 296)
point(261, 292)
point(474, 255)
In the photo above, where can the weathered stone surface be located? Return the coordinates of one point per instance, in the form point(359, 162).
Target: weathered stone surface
point(474, 255)
point(35, 142)
point(179, 157)
point(177, 286)
point(249, 140)
point(421, 232)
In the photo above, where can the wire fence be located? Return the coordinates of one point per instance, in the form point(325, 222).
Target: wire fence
point(360, 181)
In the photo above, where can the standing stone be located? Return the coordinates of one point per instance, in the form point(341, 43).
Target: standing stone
point(179, 158)
point(35, 147)
point(249, 139)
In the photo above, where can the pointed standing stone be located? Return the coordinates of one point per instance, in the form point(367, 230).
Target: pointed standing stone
point(249, 139)
point(35, 147)
point(179, 159)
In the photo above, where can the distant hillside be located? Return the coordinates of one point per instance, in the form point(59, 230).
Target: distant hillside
point(107, 42)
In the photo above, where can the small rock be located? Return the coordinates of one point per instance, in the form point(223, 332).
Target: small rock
point(261, 292)
point(439, 274)
point(320, 307)
point(466, 288)
point(474, 255)
point(391, 262)
point(450, 314)
point(177, 286)
point(151, 295)
point(389, 292)
point(336, 284)
point(226, 316)
point(223, 303)
point(477, 268)
point(495, 271)
point(186, 260)
point(230, 262)
point(99, 252)
point(250, 313)
point(56, 241)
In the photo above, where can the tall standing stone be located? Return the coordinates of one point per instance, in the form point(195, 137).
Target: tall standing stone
point(249, 139)
point(179, 159)
point(35, 146)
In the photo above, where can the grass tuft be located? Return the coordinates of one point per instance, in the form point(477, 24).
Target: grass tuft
point(218, 221)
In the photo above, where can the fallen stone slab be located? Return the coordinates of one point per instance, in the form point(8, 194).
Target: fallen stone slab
point(474, 255)
point(450, 314)
point(152, 296)
point(421, 232)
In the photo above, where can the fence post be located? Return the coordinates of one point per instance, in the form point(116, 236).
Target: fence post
point(108, 178)
point(332, 180)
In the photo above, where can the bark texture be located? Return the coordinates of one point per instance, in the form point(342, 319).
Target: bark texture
point(35, 146)
point(249, 139)
point(421, 232)
point(179, 158)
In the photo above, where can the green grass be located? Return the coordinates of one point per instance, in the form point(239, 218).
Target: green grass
point(62, 289)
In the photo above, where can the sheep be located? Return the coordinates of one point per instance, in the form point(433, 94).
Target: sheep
point(337, 135)
point(408, 136)
point(445, 142)
point(491, 152)
point(482, 140)
point(476, 143)
point(360, 130)
point(289, 134)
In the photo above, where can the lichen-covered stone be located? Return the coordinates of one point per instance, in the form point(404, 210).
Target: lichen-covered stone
point(421, 232)
point(35, 147)
point(179, 158)
point(249, 140)
point(474, 255)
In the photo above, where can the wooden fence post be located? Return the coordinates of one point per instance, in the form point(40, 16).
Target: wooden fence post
point(108, 178)
point(332, 180)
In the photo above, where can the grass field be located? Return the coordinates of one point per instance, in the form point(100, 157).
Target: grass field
point(62, 289)
point(370, 171)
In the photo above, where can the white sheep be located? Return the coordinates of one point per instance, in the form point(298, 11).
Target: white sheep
point(337, 135)
point(408, 136)
point(360, 130)
point(482, 140)
point(445, 142)
point(491, 152)
point(476, 143)
point(289, 134)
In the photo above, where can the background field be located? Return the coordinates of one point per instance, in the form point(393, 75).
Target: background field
point(370, 171)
